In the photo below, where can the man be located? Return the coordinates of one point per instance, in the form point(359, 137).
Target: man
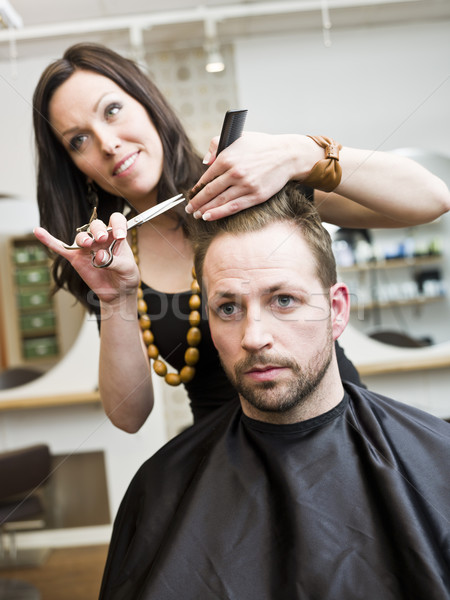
point(307, 489)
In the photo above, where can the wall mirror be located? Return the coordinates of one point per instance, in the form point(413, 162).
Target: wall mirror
point(37, 328)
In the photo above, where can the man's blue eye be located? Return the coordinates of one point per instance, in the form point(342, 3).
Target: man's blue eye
point(284, 301)
point(227, 309)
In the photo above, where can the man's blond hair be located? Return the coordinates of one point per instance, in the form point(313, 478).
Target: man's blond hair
point(287, 206)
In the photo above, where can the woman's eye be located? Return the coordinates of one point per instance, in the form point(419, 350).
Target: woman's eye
point(112, 110)
point(77, 141)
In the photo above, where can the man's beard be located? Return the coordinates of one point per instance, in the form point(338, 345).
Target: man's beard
point(284, 395)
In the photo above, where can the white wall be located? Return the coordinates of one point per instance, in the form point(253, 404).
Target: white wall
point(17, 174)
point(378, 87)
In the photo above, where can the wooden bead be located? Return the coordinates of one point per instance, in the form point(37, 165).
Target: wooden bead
point(191, 356)
point(194, 318)
point(144, 322)
point(173, 379)
point(195, 302)
point(187, 374)
point(140, 293)
point(194, 336)
point(153, 351)
point(148, 337)
point(160, 368)
point(142, 307)
point(136, 258)
point(195, 287)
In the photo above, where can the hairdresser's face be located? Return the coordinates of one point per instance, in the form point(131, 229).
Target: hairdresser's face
point(271, 321)
point(109, 136)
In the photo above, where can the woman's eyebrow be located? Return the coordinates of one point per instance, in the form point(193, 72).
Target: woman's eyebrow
point(94, 109)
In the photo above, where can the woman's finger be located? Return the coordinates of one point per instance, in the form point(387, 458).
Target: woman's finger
point(210, 156)
point(98, 230)
point(118, 223)
point(52, 243)
point(230, 208)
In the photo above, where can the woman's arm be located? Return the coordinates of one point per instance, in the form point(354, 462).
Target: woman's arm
point(125, 382)
point(124, 373)
point(376, 190)
point(382, 190)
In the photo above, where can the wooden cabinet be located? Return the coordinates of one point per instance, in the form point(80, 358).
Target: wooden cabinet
point(30, 331)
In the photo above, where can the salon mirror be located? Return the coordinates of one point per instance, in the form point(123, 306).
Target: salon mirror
point(34, 337)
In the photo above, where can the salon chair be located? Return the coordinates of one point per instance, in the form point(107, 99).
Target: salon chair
point(16, 376)
point(398, 338)
point(23, 475)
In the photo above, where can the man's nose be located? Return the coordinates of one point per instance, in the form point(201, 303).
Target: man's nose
point(257, 334)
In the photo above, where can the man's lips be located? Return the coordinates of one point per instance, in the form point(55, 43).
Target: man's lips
point(125, 164)
point(264, 373)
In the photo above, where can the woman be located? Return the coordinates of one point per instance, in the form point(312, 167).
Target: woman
point(106, 137)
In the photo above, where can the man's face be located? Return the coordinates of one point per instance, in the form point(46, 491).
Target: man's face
point(271, 321)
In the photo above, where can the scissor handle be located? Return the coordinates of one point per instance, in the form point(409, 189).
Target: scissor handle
point(109, 250)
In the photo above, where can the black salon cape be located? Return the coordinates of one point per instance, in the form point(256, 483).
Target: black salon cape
point(354, 504)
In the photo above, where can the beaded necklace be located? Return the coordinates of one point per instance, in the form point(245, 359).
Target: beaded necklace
point(193, 336)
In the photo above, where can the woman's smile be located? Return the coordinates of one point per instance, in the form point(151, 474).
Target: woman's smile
point(125, 164)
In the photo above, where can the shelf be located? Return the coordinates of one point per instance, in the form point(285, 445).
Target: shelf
point(392, 303)
point(405, 364)
point(395, 263)
point(49, 401)
point(33, 329)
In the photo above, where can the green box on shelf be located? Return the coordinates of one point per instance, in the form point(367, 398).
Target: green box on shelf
point(29, 253)
point(41, 347)
point(32, 276)
point(35, 322)
point(39, 298)
point(21, 255)
point(37, 253)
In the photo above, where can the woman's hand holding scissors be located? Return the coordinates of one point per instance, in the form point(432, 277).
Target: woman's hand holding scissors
point(100, 247)
point(122, 276)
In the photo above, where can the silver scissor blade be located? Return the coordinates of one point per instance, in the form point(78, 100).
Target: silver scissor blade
point(143, 217)
point(154, 211)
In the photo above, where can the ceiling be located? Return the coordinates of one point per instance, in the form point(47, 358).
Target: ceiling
point(181, 21)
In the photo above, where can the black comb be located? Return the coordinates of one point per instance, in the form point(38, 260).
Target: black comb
point(233, 125)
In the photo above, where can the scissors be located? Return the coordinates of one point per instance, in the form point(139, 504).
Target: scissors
point(139, 219)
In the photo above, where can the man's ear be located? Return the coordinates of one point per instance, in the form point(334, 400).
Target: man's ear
point(340, 308)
